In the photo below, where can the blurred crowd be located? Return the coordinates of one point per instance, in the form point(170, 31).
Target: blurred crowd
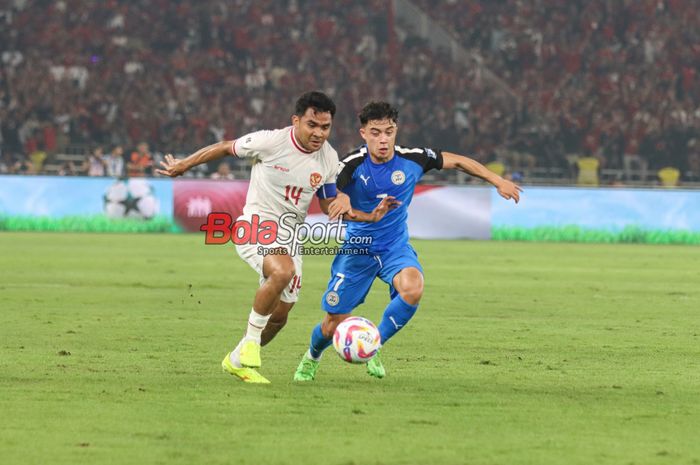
point(611, 80)
point(617, 80)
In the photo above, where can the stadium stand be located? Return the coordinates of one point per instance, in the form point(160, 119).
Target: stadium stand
point(179, 75)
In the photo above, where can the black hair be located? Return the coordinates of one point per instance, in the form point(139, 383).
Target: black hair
point(316, 100)
point(374, 111)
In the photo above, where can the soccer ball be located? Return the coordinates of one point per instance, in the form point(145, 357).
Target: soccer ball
point(132, 198)
point(356, 340)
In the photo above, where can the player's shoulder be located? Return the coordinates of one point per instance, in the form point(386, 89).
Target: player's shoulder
point(265, 136)
point(329, 152)
point(280, 135)
point(355, 157)
point(408, 152)
point(420, 155)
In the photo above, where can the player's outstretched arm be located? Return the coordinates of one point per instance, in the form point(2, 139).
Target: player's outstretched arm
point(507, 189)
point(341, 206)
point(337, 206)
point(174, 167)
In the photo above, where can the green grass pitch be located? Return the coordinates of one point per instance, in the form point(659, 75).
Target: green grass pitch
point(521, 353)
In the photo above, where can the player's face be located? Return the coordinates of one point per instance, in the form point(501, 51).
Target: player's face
point(312, 128)
point(380, 136)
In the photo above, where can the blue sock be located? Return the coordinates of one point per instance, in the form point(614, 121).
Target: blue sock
point(318, 342)
point(396, 315)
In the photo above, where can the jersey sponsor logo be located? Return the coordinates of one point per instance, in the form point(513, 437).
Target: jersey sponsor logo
point(398, 177)
point(364, 179)
point(315, 180)
point(332, 298)
point(281, 168)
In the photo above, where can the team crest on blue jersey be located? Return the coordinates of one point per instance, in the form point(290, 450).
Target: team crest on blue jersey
point(332, 298)
point(398, 177)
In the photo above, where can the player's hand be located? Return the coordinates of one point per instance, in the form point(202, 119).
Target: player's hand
point(509, 190)
point(340, 206)
point(387, 203)
point(173, 166)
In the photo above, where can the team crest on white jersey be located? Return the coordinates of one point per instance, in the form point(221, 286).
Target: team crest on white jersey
point(315, 179)
point(398, 177)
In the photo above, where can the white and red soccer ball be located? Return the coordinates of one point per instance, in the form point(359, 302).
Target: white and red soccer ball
point(356, 340)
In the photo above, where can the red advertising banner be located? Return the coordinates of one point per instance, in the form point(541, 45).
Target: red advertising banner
point(195, 199)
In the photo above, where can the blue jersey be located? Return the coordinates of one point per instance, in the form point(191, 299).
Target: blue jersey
point(367, 183)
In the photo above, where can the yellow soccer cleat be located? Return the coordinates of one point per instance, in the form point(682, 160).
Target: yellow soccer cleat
point(250, 354)
point(245, 374)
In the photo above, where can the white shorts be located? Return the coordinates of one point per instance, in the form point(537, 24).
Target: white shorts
point(250, 253)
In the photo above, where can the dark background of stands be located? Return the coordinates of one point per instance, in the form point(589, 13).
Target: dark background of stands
point(617, 81)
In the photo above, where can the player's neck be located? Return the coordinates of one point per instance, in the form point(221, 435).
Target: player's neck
point(298, 144)
point(381, 161)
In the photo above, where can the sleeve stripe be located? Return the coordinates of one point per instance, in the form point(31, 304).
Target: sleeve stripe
point(407, 150)
point(233, 148)
point(351, 157)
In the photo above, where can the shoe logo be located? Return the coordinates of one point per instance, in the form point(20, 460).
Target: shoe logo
point(364, 179)
point(332, 298)
point(398, 177)
point(396, 325)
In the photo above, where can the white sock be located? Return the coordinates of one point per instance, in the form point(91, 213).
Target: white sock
point(236, 354)
point(256, 324)
point(308, 354)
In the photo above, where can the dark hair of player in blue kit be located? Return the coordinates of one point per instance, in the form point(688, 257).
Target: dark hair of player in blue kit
point(377, 111)
point(316, 100)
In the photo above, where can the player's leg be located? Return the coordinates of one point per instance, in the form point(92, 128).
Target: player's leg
point(321, 339)
point(351, 279)
point(278, 271)
point(277, 321)
point(408, 290)
point(273, 270)
point(289, 296)
point(404, 274)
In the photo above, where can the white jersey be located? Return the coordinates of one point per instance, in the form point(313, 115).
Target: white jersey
point(285, 177)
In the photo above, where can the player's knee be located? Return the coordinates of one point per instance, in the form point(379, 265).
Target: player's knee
point(412, 291)
point(281, 274)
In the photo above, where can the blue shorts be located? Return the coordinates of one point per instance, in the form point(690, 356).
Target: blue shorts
point(353, 275)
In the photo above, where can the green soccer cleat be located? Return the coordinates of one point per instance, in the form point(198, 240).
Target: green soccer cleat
point(375, 367)
point(250, 354)
point(306, 371)
point(245, 374)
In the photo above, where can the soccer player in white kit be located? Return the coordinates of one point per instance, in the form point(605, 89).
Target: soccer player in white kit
point(290, 166)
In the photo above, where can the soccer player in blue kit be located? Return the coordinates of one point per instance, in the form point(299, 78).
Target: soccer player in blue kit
point(381, 170)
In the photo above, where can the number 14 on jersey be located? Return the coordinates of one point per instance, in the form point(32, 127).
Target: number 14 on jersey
point(293, 193)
